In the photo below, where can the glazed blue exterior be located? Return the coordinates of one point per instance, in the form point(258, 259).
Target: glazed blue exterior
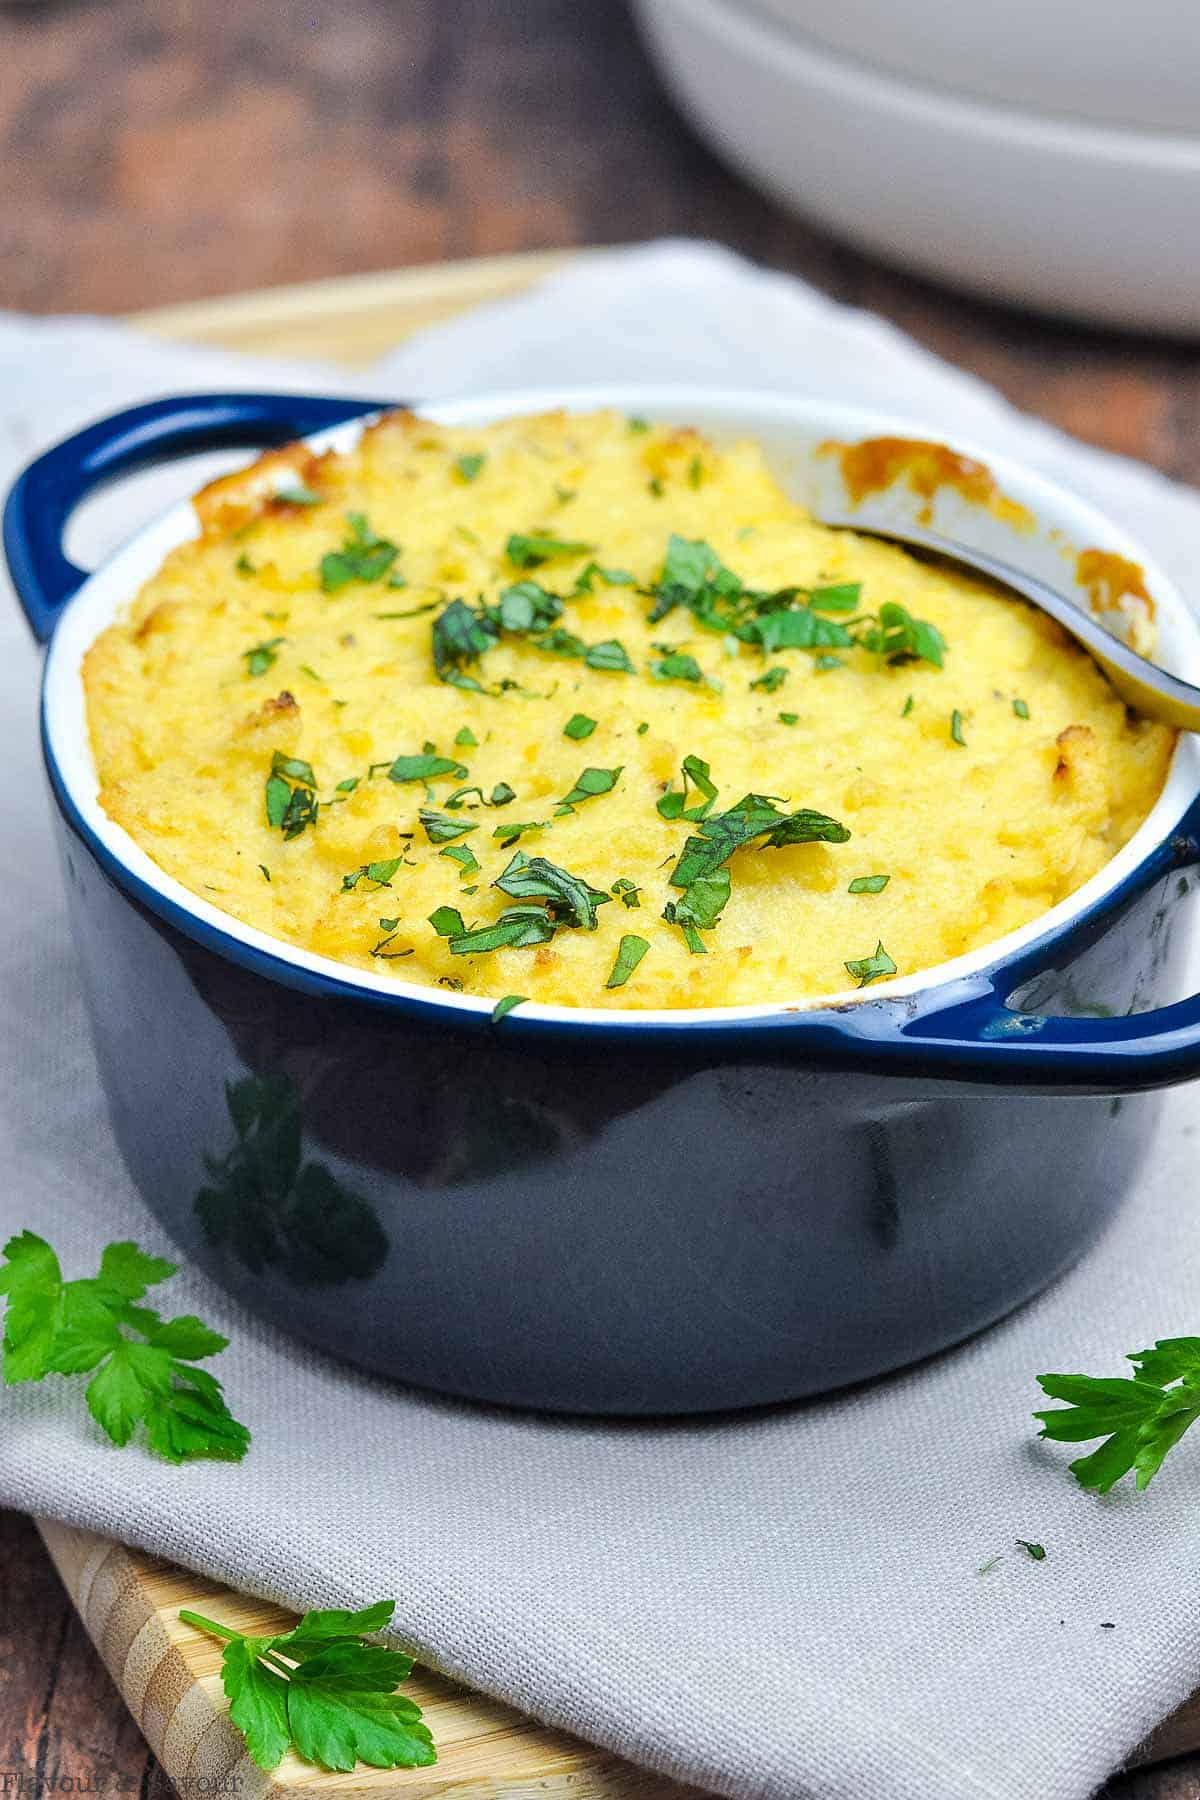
point(610, 1217)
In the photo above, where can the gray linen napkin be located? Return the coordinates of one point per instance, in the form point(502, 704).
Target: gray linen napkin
point(778, 1606)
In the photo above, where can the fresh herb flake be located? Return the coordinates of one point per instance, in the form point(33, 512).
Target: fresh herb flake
point(470, 466)
point(503, 1007)
point(528, 550)
point(868, 884)
point(364, 556)
point(866, 969)
point(579, 726)
point(630, 952)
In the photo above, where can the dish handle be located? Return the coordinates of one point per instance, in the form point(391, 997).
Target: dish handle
point(977, 1033)
point(44, 495)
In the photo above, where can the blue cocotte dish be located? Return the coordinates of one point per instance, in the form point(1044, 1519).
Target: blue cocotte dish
point(614, 1212)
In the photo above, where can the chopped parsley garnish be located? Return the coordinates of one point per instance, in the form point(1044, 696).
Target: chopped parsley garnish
point(508, 834)
point(465, 739)
point(332, 1701)
point(772, 680)
point(627, 892)
point(788, 718)
point(502, 794)
point(579, 726)
point(1141, 1419)
point(829, 662)
point(426, 767)
point(701, 873)
point(244, 566)
point(656, 487)
point(590, 783)
point(464, 856)
point(1021, 708)
point(1037, 1552)
point(638, 425)
point(907, 707)
point(348, 786)
point(364, 556)
point(899, 638)
point(675, 665)
point(517, 928)
point(299, 496)
point(266, 873)
point(630, 952)
point(695, 472)
point(311, 673)
point(643, 728)
point(262, 656)
point(612, 577)
point(572, 900)
point(868, 884)
point(503, 1007)
point(842, 596)
point(527, 606)
point(471, 465)
point(697, 774)
point(956, 728)
point(609, 655)
point(141, 1365)
point(379, 872)
point(528, 550)
point(866, 969)
point(291, 799)
point(461, 636)
point(791, 618)
point(409, 612)
point(447, 921)
point(440, 828)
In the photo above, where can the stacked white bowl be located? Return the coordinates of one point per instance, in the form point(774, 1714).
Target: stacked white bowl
point(1044, 151)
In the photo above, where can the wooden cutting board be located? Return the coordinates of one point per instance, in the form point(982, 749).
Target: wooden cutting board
point(129, 1601)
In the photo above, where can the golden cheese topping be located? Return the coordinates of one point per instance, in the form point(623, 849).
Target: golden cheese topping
point(587, 711)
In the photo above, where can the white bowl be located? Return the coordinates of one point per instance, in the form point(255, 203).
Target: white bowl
point(1097, 223)
point(1098, 59)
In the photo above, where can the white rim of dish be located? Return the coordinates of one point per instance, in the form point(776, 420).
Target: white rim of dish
point(727, 412)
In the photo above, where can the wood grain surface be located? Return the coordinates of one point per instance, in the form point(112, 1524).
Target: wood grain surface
point(156, 152)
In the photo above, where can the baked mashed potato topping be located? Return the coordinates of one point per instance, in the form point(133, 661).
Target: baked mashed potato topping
point(586, 710)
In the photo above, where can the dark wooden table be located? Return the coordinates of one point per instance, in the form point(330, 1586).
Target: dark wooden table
point(160, 150)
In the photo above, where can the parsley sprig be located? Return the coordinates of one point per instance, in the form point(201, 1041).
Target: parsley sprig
point(320, 1691)
point(1140, 1418)
point(701, 872)
point(142, 1365)
point(789, 618)
point(364, 556)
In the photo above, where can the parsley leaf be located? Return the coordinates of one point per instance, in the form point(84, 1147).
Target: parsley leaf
point(579, 726)
point(956, 728)
point(528, 550)
point(866, 969)
point(611, 578)
point(700, 871)
point(868, 884)
point(899, 638)
point(772, 680)
point(675, 665)
point(363, 556)
point(630, 952)
point(1140, 1419)
point(1036, 1552)
point(299, 495)
point(461, 636)
point(140, 1363)
point(318, 1689)
point(471, 465)
point(261, 656)
point(572, 900)
point(503, 1007)
point(610, 655)
point(379, 872)
point(291, 802)
point(1021, 708)
point(590, 783)
point(440, 828)
point(697, 773)
point(426, 767)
